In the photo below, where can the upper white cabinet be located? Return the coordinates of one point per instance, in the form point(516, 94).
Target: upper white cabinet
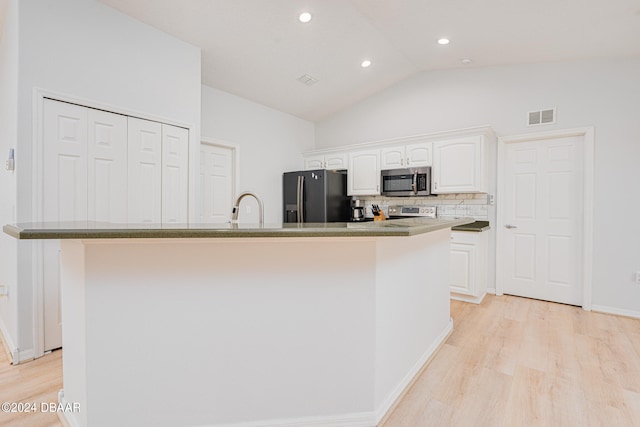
point(363, 176)
point(331, 161)
point(405, 156)
point(460, 166)
point(462, 161)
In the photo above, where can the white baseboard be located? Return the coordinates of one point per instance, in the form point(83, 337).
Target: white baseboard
point(16, 355)
point(408, 379)
point(7, 342)
point(68, 419)
point(616, 311)
point(466, 298)
point(361, 419)
point(491, 291)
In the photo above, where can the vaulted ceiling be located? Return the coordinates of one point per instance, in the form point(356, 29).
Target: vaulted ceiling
point(257, 49)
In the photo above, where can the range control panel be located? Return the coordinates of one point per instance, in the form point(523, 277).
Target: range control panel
point(414, 210)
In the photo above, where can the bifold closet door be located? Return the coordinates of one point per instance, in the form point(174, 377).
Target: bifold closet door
point(85, 178)
point(175, 174)
point(145, 171)
point(107, 167)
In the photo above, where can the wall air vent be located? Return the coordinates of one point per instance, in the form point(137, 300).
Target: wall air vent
point(307, 80)
point(542, 117)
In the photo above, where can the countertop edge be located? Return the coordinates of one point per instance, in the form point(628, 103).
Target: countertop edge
point(398, 230)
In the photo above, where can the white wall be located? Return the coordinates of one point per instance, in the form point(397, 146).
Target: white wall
point(601, 94)
point(84, 49)
point(270, 142)
point(8, 138)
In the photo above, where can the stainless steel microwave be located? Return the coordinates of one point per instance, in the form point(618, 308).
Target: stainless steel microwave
point(406, 182)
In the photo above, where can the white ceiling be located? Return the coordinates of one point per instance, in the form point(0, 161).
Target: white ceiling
point(257, 49)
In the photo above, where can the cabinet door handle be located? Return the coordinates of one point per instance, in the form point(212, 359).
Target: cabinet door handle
point(407, 161)
point(401, 162)
point(509, 226)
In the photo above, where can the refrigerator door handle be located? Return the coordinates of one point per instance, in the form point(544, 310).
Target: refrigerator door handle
point(300, 197)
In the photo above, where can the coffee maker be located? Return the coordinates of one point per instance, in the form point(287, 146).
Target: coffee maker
point(357, 210)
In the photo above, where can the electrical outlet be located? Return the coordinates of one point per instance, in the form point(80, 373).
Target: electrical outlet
point(4, 291)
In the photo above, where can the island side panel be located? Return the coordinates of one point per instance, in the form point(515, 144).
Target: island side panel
point(412, 309)
point(201, 332)
point(74, 360)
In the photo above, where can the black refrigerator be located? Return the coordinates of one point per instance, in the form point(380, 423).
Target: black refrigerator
point(315, 196)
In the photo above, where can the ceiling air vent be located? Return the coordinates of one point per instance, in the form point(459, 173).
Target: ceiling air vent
point(307, 80)
point(542, 117)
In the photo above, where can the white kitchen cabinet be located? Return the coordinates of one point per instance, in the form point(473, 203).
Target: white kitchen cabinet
point(331, 161)
point(468, 265)
point(406, 156)
point(363, 176)
point(460, 166)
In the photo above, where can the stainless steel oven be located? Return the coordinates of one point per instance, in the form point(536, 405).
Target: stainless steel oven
point(406, 182)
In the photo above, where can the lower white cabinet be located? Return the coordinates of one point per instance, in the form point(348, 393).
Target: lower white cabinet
point(468, 265)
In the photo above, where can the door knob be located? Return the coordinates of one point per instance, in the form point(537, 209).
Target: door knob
point(509, 226)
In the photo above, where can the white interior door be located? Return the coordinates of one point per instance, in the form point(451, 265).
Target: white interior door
point(107, 166)
point(543, 219)
point(175, 174)
point(216, 183)
point(144, 171)
point(65, 197)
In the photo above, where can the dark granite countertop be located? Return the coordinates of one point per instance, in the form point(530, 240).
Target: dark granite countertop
point(477, 226)
point(97, 230)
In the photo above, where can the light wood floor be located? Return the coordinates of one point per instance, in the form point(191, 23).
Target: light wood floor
point(37, 381)
point(509, 362)
point(520, 362)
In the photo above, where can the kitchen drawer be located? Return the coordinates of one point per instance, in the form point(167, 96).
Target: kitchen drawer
point(468, 237)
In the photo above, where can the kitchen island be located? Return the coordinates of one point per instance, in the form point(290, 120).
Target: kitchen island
point(286, 324)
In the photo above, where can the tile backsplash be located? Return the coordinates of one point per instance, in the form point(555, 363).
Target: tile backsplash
point(448, 205)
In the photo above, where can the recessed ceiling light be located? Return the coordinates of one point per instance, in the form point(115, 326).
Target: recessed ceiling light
point(444, 41)
point(304, 17)
point(366, 63)
point(466, 61)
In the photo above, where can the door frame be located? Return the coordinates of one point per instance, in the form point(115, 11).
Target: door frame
point(235, 164)
point(37, 187)
point(588, 137)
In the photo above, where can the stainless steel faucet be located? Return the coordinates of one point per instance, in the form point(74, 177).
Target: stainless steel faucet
point(236, 207)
